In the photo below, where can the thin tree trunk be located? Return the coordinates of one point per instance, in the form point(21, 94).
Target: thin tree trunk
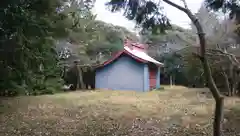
point(63, 72)
point(171, 81)
point(174, 80)
point(238, 88)
point(80, 78)
point(207, 71)
point(226, 82)
point(231, 82)
point(235, 81)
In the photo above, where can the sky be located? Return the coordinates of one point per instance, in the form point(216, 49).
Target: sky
point(176, 17)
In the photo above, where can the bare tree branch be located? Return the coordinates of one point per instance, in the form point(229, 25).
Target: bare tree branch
point(230, 56)
point(185, 4)
point(176, 5)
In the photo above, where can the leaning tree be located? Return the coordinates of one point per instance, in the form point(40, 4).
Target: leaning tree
point(148, 15)
point(221, 40)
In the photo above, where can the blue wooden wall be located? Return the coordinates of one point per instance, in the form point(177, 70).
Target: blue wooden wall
point(123, 74)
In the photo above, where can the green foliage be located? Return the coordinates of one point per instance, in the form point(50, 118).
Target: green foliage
point(27, 36)
point(109, 41)
point(92, 37)
point(147, 14)
point(29, 61)
point(174, 66)
point(172, 62)
point(193, 70)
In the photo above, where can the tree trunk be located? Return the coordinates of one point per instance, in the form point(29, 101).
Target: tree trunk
point(207, 71)
point(171, 81)
point(226, 82)
point(80, 78)
point(235, 80)
point(238, 88)
point(63, 72)
point(231, 82)
point(218, 114)
point(218, 117)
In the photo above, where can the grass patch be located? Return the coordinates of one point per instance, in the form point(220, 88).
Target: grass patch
point(175, 111)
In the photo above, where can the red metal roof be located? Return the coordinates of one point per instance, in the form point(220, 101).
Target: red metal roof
point(118, 55)
point(135, 45)
point(136, 54)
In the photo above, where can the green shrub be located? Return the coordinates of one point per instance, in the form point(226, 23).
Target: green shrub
point(49, 86)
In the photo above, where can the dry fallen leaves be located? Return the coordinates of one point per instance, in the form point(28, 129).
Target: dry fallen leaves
point(176, 111)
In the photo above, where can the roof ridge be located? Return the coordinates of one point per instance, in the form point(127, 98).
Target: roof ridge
point(135, 54)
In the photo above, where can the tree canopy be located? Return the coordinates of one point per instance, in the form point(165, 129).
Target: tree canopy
point(30, 33)
point(150, 15)
point(26, 34)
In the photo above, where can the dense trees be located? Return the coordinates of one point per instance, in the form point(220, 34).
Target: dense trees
point(35, 36)
point(27, 54)
point(97, 46)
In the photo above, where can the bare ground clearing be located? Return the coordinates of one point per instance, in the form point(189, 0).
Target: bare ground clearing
point(174, 111)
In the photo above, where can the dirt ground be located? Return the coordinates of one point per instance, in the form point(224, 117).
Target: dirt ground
point(176, 111)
